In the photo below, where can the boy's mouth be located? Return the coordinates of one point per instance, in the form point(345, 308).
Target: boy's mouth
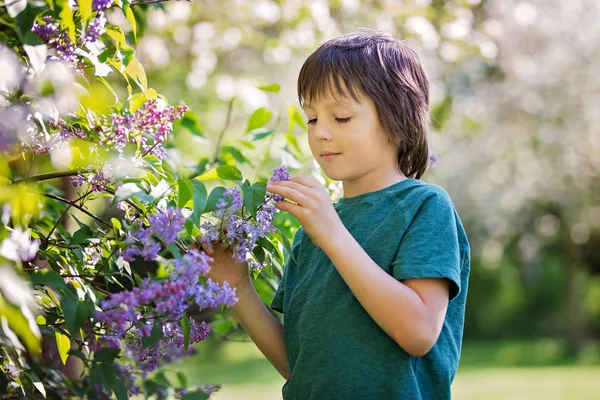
point(329, 155)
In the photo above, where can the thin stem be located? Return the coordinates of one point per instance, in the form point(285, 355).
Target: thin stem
point(105, 263)
point(138, 3)
point(218, 147)
point(50, 175)
point(3, 22)
point(83, 210)
point(70, 204)
point(150, 149)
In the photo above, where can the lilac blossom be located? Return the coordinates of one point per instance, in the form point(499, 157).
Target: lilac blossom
point(238, 230)
point(149, 126)
point(95, 28)
point(433, 159)
point(98, 181)
point(19, 246)
point(43, 142)
point(170, 298)
point(57, 38)
point(169, 348)
point(145, 240)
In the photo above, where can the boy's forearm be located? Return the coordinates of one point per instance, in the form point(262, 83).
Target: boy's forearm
point(264, 329)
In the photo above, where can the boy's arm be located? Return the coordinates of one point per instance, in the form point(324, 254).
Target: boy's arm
point(264, 329)
point(412, 313)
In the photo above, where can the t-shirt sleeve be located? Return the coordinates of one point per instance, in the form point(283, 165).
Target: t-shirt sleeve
point(277, 302)
point(430, 246)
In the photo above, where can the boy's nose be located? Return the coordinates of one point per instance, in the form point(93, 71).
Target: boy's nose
point(322, 133)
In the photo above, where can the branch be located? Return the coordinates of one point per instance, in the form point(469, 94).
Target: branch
point(218, 148)
point(83, 210)
point(70, 204)
point(139, 3)
point(43, 177)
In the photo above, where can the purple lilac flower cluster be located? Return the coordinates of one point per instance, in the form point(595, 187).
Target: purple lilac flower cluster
point(238, 229)
point(145, 241)
point(169, 299)
point(44, 142)
point(148, 126)
point(169, 348)
point(96, 27)
point(98, 180)
point(51, 33)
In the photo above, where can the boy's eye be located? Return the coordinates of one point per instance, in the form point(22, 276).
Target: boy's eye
point(340, 120)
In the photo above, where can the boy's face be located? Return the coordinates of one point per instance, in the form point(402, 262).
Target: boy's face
point(352, 131)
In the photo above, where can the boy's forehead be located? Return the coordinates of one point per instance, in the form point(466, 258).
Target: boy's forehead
point(330, 101)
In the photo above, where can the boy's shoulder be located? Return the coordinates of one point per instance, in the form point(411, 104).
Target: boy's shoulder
point(419, 193)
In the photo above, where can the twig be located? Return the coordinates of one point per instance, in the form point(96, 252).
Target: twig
point(83, 210)
point(139, 3)
point(70, 204)
point(218, 147)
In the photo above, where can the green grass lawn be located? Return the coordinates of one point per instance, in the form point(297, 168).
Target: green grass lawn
point(490, 371)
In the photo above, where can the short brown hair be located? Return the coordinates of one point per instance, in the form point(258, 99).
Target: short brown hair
point(390, 73)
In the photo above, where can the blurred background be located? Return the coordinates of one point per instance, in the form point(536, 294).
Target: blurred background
point(515, 100)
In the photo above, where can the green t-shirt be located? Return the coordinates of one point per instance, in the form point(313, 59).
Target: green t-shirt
point(334, 348)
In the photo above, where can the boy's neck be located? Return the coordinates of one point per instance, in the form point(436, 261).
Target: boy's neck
point(369, 183)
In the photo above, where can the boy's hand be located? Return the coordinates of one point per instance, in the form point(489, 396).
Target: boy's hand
point(311, 205)
point(223, 268)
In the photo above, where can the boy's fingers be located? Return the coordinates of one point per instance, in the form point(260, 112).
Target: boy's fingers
point(208, 249)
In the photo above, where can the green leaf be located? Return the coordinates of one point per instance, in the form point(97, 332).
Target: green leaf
point(182, 379)
point(116, 223)
point(131, 190)
point(213, 198)
point(85, 9)
point(185, 328)
point(76, 312)
point(131, 18)
point(155, 335)
point(274, 88)
point(66, 16)
point(254, 195)
point(49, 278)
point(104, 374)
point(200, 199)
point(116, 33)
point(291, 139)
point(82, 236)
point(63, 343)
point(136, 101)
point(106, 355)
point(24, 23)
point(227, 172)
point(258, 119)
point(286, 243)
point(37, 383)
point(266, 244)
point(185, 193)
point(172, 247)
point(153, 388)
point(295, 118)
point(154, 163)
point(234, 153)
point(261, 133)
point(120, 390)
point(136, 71)
point(196, 395)
point(190, 122)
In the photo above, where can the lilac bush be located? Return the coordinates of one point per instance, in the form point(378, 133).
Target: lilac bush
point(85, 291)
